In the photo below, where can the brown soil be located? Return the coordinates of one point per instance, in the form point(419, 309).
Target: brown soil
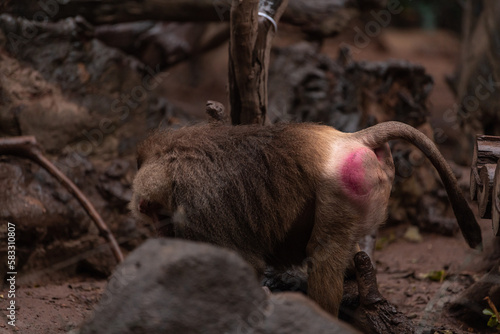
point(54, 308)
point(402, 267)
point(58, 308)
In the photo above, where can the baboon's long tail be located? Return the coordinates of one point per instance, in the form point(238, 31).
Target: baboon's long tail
point(379, 134)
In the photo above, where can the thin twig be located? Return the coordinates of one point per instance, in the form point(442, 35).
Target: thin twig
point(27, 146)
point(492, 306)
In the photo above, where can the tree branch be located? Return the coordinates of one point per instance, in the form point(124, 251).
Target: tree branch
point(27, 147)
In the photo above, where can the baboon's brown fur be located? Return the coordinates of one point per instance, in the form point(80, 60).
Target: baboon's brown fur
point(280, 195)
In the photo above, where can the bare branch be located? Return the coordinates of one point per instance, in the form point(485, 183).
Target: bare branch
point(26, 146)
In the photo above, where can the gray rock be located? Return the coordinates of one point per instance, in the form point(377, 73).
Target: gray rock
point(176, 286)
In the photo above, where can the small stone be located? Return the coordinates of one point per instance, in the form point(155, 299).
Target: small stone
point(412, 234)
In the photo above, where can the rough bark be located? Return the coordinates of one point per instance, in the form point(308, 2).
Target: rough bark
point(486, 176)
point(249, 55)
point(486, 151)
point(484, 168)
point(243, 71)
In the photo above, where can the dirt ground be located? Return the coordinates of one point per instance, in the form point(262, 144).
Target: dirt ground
point(401, 264)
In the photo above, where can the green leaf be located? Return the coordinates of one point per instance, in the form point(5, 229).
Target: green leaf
point(437, 275)
point(488, 311)
point(492, 322)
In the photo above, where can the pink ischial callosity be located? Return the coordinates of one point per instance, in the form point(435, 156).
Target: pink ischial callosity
point(353, 171)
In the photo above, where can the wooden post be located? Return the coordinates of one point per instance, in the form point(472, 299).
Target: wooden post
point(486, 151)
point(485, 178)
point(486, 175)
point(253, 26)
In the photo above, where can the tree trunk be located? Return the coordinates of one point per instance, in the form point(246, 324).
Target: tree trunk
point(249, 53)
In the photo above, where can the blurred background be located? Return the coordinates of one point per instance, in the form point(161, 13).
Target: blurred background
point(91, 79)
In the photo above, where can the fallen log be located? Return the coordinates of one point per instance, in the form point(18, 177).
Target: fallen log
point(486, 150)
point(324, 17)
point(163, 44)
